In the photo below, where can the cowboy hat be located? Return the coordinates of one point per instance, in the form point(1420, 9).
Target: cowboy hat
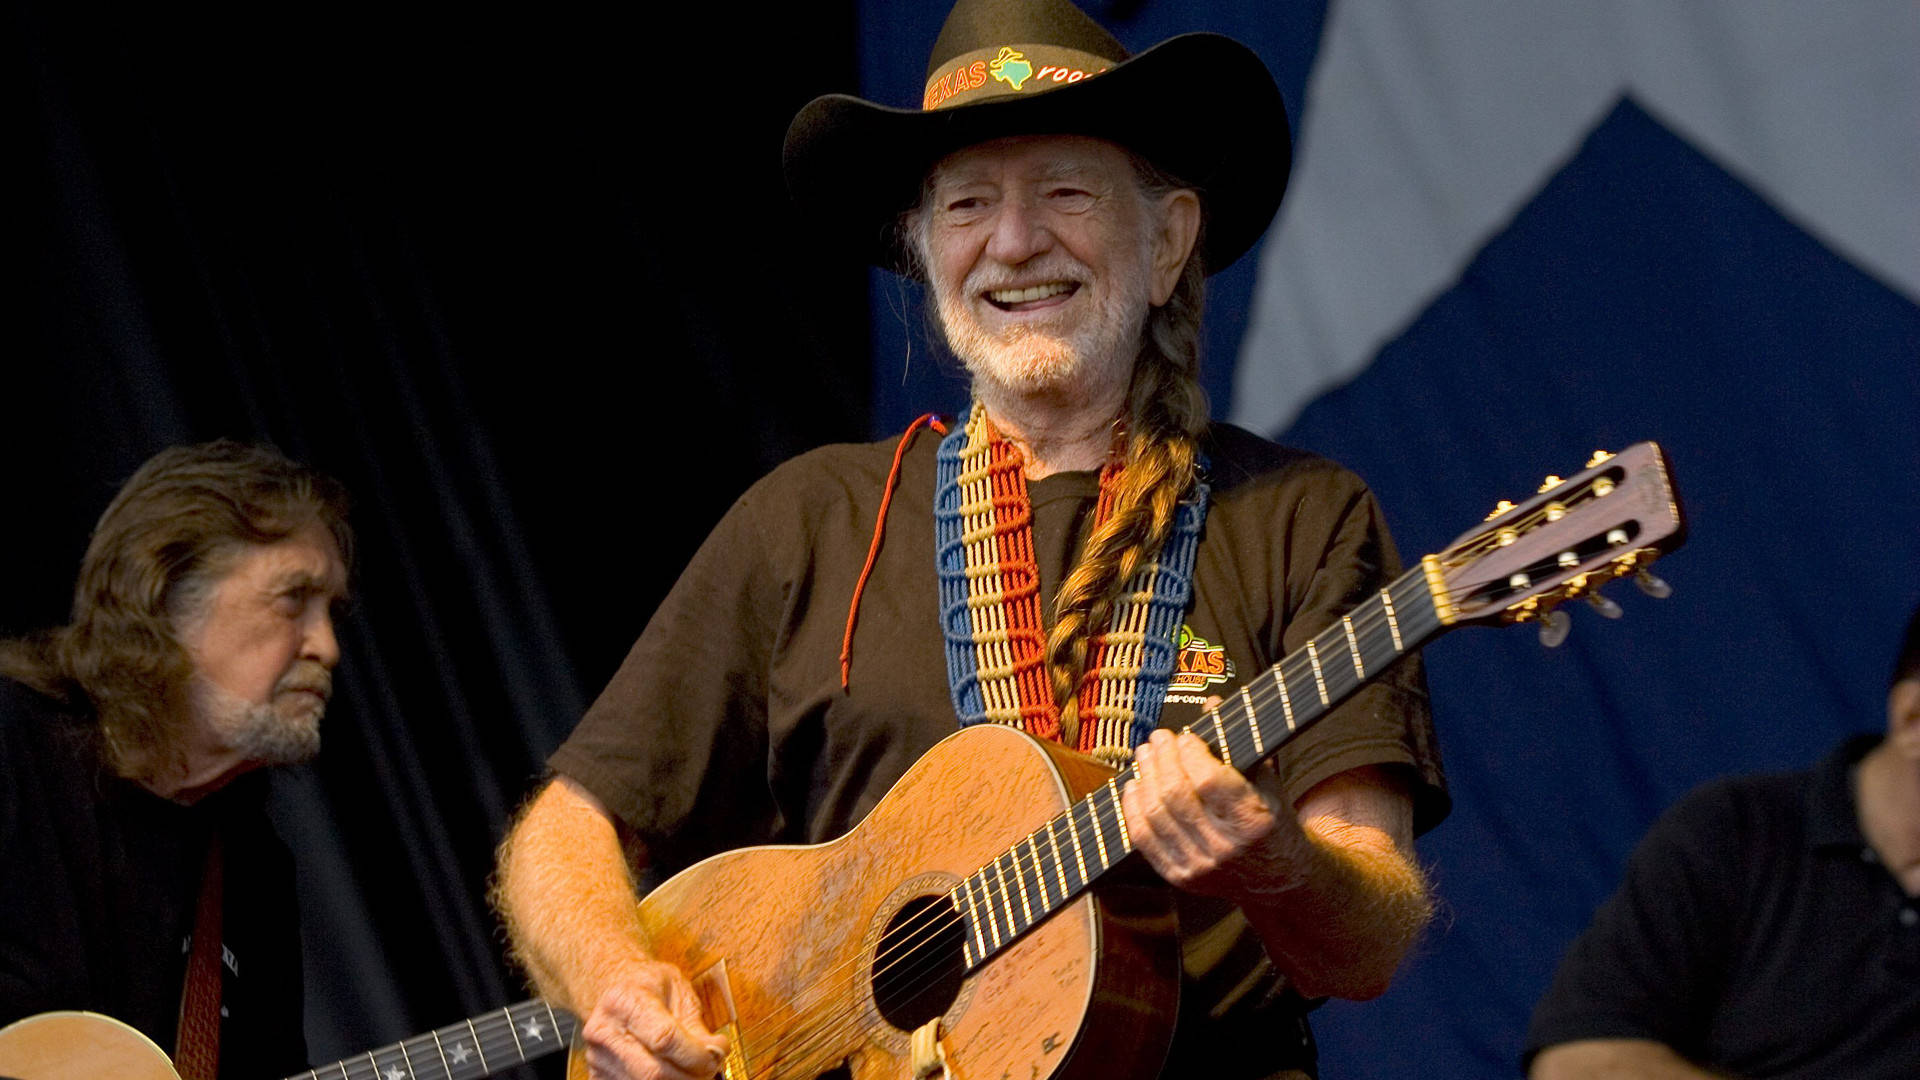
point(1200, 107)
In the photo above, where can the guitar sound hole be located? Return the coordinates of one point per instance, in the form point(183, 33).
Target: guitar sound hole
point(919, 964)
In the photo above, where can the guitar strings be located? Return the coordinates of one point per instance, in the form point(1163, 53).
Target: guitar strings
point(923, 926)
point(1368, 624)
point(945, 913)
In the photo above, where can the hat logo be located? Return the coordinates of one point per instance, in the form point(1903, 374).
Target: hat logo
point(1011, 67)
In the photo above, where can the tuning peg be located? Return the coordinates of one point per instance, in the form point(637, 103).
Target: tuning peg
point(1500, 508)
point(1549, 483)
point(1607, 608)
point(1600, 457)
point(1652, 586)
point(1554, 628)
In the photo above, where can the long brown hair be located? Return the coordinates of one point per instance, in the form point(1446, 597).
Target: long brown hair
point(164, 541)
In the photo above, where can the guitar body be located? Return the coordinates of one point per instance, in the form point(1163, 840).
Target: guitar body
point(781, 942)
point(79, 1046)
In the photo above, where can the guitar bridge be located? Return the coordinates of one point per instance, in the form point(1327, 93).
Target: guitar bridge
point(716, 1005)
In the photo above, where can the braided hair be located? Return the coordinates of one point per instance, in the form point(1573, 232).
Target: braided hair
point(1166, 413)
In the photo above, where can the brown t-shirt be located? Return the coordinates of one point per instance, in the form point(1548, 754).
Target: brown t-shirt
point(727, 725)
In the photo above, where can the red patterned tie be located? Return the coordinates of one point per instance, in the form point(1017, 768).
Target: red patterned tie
point(196, 1053)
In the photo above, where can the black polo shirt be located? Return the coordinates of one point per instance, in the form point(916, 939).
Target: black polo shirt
point(1757, 933)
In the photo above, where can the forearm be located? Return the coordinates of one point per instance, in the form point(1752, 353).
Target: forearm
point(568, 897)
point(1349, 905)
point(1614, 1059)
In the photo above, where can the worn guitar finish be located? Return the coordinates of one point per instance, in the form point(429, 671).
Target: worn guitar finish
point(783, 942)
point(966, 907)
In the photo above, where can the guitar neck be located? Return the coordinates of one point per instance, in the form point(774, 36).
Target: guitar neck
point(472, 1048)
point(1061, 859)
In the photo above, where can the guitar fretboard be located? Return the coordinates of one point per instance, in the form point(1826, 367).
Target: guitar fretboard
point(1059, 860)
point(471, 1048)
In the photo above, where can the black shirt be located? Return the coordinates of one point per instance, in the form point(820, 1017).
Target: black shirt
point(728, 724)
point(99, 879)
point(1755, 933)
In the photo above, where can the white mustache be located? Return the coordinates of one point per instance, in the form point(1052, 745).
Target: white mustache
point(1058, 268)
point(309, 675)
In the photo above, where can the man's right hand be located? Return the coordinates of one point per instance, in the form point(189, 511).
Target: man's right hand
point(565, 890)
point(647, 1026)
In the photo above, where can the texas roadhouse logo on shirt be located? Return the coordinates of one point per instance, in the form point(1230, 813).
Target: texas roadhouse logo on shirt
point(1201, 665)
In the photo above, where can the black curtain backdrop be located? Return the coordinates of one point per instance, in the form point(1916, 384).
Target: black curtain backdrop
point(526, 282)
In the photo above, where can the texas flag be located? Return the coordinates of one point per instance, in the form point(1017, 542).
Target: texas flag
point(1518, 232)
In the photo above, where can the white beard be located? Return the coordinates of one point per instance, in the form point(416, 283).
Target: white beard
point(264, 733)
point(1097, 352)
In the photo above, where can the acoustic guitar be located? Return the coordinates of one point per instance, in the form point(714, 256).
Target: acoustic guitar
point(980, 920)
point(89, 1046)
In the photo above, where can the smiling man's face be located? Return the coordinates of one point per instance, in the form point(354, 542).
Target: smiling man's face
point(1041, 256)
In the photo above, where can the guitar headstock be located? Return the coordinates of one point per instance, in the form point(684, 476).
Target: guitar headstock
point(1609, 520)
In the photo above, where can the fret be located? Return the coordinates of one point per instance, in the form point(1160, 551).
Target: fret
point(1286, 706)
point(1119, 815)
point(1336, 679)
point(1253, 720)
point(1353, 647)
point(986, 896)
point(1220, 735)
point(980, 929)
point(1006, 899)
point(407, 1060)
point(441, 1049)
point(1039, 871)
point(1393, 622)
point(1319, 680)
point(1099, 833)
point(1020, 882)
point(1079, 853)
point(479, 1049)
point(517, 1048)
point(560, 1031)
point(1059, 864)
point(964, 905)
point(966, 921)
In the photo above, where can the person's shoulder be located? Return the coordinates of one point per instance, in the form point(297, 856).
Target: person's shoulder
point(839, 474)
point(25, 707)
point(1733, 813)
point(38, 726)
point(1240, 463)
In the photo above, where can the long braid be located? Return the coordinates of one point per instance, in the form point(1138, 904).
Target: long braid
point(1166, 414)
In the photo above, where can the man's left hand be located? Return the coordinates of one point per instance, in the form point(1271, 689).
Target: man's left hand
point(1201, 824)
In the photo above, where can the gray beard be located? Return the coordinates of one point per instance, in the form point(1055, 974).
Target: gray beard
point(261, 733)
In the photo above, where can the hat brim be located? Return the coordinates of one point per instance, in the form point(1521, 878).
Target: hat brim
point(1201, 107)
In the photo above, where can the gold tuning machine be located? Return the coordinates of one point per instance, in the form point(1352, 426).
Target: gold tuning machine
point(1549, 483)
point(1600, 457)
point(1500, 508)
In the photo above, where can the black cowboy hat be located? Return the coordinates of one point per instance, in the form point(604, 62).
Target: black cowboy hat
point(1200, 107)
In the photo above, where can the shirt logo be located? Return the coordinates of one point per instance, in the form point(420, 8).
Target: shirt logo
point(1011, 67)
point(1201, 664)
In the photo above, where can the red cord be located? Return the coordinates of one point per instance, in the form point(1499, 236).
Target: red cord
point(873, 550)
